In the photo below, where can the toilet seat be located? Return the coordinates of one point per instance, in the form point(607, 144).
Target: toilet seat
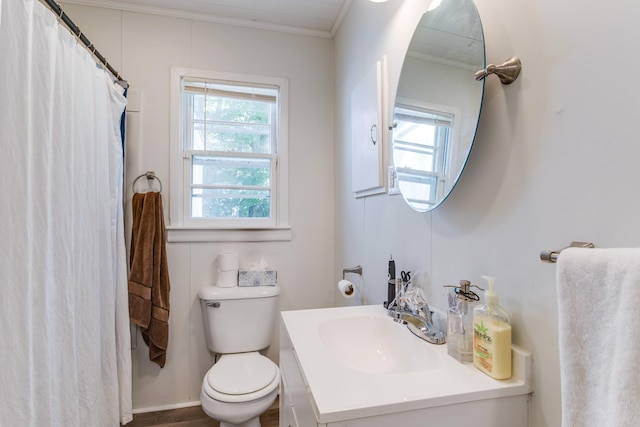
point(241, 378)
point(241, 374)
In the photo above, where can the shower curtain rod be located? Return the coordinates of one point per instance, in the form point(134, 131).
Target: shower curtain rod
point(57, 9)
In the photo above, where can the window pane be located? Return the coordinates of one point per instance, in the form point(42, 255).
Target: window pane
point(231, 124)
point(198, 107)
point(421, 139)
point(231, 171)
point(418, 189)
point(414, 155)
point(237, 110)
point(417, 133)
point(197, 136)
point(230, 203)
point(239, 138)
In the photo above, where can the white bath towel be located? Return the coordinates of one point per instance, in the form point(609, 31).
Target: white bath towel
point(599, 329)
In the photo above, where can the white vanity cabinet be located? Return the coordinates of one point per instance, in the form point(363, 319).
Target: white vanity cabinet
point(295, 398)
point(318, 390)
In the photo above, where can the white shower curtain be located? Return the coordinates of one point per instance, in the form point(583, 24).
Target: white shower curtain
point(64, 343)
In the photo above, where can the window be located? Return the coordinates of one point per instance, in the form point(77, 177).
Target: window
point(421, 147)
point(229, 150)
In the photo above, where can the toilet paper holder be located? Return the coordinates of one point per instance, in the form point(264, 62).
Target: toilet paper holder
point(357, 270)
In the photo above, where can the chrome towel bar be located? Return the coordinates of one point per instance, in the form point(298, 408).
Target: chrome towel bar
point(552, 256)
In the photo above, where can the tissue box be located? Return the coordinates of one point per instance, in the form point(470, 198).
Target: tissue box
point(257, 277)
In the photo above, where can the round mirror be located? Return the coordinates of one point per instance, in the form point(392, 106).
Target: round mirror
point(438, 101)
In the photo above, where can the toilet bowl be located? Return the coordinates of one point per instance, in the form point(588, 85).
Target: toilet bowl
point(238, 388)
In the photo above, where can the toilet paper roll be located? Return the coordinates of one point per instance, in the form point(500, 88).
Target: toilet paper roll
point(346, 288)
point(228, 261)
point(227, 279)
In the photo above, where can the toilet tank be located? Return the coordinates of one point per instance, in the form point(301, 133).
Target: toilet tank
point(240, 318)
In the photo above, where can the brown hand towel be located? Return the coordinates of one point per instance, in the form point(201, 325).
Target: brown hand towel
point(149, 275)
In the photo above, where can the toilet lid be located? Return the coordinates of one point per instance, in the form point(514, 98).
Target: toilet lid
point(241, 373)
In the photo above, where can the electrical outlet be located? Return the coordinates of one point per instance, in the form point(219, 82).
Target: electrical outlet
point(393, 181)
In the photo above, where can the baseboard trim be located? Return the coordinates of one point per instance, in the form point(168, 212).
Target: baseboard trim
point(166, 407)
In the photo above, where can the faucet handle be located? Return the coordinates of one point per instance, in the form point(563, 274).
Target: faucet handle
point(412, 299)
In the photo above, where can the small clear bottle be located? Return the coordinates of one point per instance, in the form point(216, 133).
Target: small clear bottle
point(460, 322)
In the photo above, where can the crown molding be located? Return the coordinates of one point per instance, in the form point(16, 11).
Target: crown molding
point(196, 16)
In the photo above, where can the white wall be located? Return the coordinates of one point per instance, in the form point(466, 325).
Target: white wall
point(143, 48)
point(554, 161)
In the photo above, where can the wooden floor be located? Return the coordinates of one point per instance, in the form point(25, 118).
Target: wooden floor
point(194, 417)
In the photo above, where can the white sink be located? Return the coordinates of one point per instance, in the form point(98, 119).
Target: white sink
point(374, 344)
point(355, 363)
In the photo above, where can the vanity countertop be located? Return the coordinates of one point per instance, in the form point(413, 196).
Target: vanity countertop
point(342, 391)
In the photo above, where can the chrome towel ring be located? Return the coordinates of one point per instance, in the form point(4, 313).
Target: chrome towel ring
point(150, 175)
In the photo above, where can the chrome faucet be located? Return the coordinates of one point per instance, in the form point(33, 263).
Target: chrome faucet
point(418, 320)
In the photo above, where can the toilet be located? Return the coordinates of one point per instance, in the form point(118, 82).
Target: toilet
point(238, 322)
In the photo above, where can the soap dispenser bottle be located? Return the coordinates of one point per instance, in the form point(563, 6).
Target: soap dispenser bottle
point(492, 336)
point(460, 322)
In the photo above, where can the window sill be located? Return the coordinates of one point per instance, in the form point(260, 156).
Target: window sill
point(180, 234)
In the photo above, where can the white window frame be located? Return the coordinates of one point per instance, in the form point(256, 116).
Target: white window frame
point(184, 228)
point(443, 176)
